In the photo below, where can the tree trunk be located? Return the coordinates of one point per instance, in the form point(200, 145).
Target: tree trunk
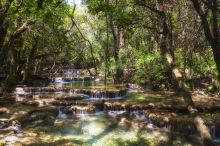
point(26, 76)
point(117, 43)
point(216, 54)
point(3, 33)
point(30, 57)
point(210, 26)
point(167, 52)
point(13, 74)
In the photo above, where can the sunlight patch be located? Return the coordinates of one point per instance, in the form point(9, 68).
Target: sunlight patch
point(93, 128)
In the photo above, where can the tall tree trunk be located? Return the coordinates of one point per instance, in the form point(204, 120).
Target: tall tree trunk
point(27, 72)
point(216, 54)
point(26, 76)
point(167, 53)
point(117, 43)
point(210, 26)
point(15, 42)
point(4, 24)
point(3, 33)
point(107, 47)
point(12, 77)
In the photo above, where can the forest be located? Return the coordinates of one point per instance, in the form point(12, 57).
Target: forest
point(109, 72)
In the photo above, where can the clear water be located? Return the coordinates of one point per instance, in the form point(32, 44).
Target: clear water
point(103, 128)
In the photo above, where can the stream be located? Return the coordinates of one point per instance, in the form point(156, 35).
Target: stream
point(76, 109)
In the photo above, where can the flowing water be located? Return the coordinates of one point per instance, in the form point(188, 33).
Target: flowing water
point(72, 111)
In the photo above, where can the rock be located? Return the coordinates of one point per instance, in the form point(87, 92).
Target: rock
point(76, 97)
point(83, 109)
point(47, 115)
point(10, 139)
point(58, 79)
point(151, 105)
point(30, 103)
point(20, 91)
point(10, 127)
point(58, 122)
point(4, 123)
point(4, 110)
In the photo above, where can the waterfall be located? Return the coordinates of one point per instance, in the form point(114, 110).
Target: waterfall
point(20, 91)
point(61, 115)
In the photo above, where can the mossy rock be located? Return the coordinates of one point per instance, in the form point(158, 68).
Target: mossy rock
point(75, 97)
point(2, 143)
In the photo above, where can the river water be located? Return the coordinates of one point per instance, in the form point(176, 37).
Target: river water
point(71, 111)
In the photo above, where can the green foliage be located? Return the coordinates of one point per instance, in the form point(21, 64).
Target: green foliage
point(56, 32)
point(150, 67)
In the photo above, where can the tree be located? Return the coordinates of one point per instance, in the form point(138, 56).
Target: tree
point(209, 12)
point(167, 51)
point(19, 18)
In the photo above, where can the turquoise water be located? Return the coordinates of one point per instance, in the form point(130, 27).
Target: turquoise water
point(51, 125)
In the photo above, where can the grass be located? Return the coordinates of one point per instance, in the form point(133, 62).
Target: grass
point(155, 98)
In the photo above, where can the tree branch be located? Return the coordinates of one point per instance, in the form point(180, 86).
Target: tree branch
point(161, 13)
point(19, 6)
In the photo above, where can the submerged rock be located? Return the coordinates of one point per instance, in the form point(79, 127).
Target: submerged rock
point(7, 126)
point(181, 123)
point(67, 98)
point(59, 122)
point(30, 103)
point(42, 116)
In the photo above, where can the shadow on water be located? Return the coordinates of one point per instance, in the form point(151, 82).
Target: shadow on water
point(61, 142)
point(111, 128)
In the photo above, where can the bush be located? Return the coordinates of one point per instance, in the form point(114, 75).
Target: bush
point(151, 69)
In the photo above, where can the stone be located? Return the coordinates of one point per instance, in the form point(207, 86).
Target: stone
point(47, 115)
point(30, 103)
point(4, 110)
point(58, 122)
point(151, 105)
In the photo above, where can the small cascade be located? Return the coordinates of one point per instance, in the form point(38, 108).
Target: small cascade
point(97, 80)
point(72, 75)
point(108, 106)
point(61, 115)
point(83, 109)
point(66, 100)
point(68, 72)
point(105, 95)
point(39, 90)
point(99, 95)
point(116, 113)
point(139, 115)
point(93, 94)
point(20, 91)
point(58, 80)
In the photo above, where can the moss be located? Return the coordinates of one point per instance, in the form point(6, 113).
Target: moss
point(2, 143)
point(156, 98)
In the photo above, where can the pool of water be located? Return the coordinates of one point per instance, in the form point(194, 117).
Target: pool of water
point(72, 122)
point(101, 129)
